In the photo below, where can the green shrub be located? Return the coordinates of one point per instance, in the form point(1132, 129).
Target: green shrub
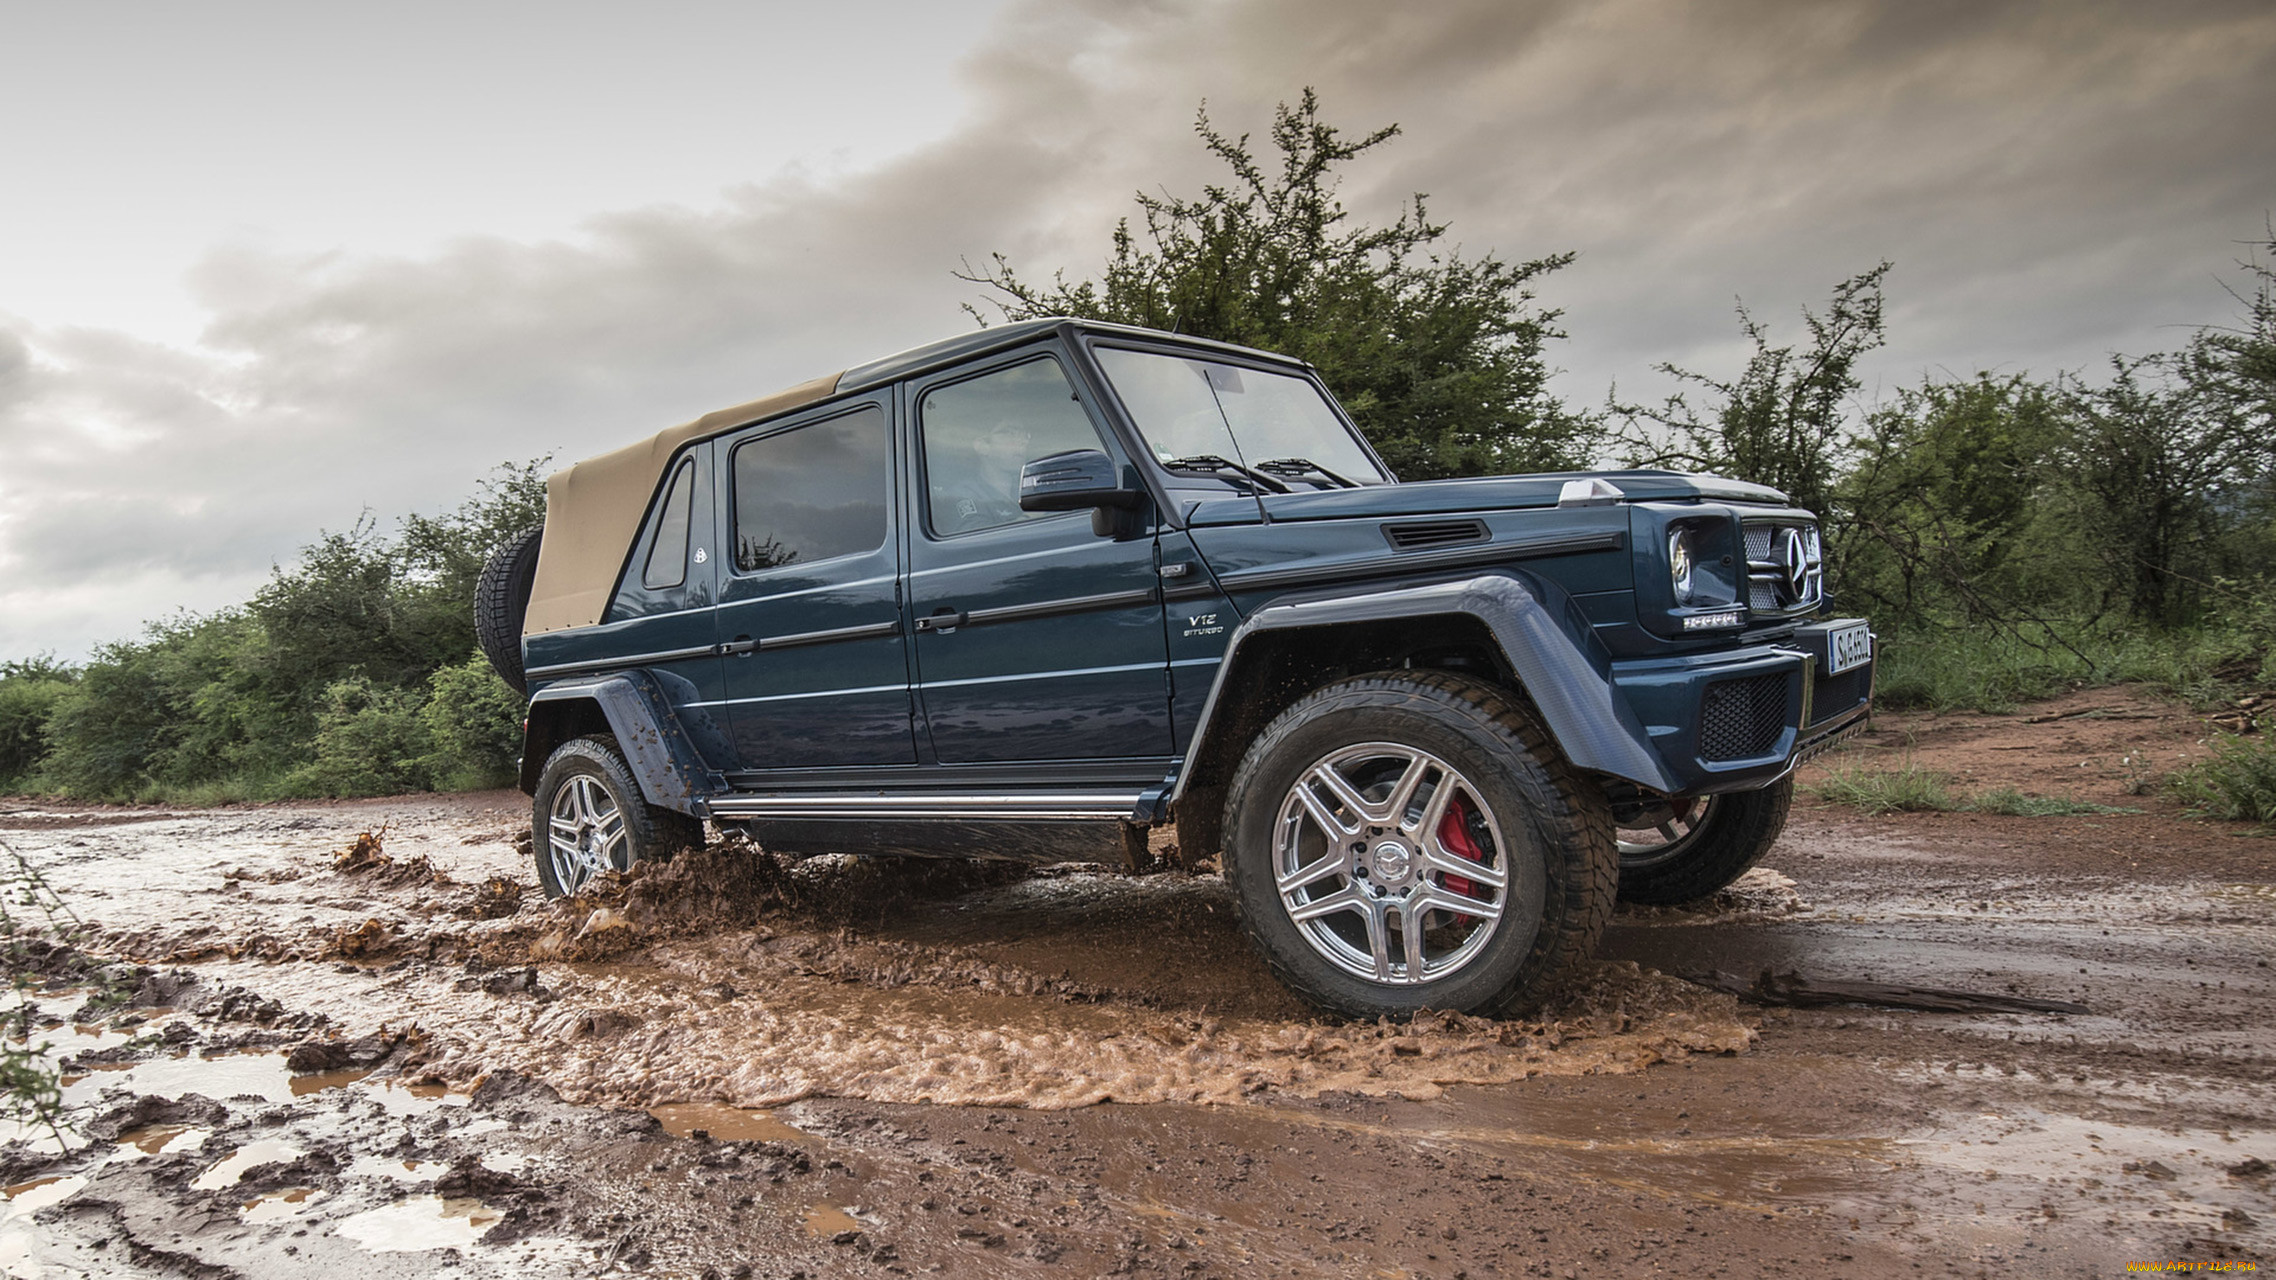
point(2238, 783)
point(474, 720)
point(370, 741)
point(29, 692)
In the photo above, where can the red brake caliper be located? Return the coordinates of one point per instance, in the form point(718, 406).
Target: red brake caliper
point(1454, 833)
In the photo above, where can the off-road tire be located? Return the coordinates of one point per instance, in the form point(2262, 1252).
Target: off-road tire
point(501, 601)
point(1545, 813)
point(649, 832)
point(1737, 830)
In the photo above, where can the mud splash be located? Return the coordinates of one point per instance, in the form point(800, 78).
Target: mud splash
point(641, 1038)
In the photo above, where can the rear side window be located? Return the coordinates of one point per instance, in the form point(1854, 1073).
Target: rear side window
point(812, 493)
point(979, 433)
point(668, 556)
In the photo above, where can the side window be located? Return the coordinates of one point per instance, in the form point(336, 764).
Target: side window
point(668, 556)
point(979, 432)
point(812, 493)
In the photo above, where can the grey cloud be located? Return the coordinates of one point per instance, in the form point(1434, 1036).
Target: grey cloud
point(2052, 180)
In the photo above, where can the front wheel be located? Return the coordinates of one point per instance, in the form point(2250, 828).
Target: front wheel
point(1682, 851)
point(1411, 840)
point(589, 818)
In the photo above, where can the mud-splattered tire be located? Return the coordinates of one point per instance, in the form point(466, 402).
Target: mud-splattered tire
point(589, 818)
point(1727, 835)
point(501, 601)
point(1367, 829)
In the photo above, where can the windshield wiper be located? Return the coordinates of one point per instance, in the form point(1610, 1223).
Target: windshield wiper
point(1301, 467)
point(1211, 464)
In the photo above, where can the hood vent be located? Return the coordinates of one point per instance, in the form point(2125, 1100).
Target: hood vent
point(1422, 535)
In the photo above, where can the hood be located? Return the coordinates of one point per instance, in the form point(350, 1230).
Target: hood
point(1490, 493)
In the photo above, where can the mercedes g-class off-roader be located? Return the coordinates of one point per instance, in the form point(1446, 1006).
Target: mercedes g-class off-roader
point(1029, 592)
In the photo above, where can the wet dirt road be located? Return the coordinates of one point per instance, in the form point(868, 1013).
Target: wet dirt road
point(844, 1068)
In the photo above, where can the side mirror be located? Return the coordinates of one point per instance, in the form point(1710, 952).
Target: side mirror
point(1074, 480)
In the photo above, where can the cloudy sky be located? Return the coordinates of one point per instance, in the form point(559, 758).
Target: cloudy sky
point(264, 266)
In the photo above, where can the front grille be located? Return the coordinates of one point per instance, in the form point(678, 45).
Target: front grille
point(1836, 694)
point(1741, 719)
point(1785, 567)
point(1419, 534)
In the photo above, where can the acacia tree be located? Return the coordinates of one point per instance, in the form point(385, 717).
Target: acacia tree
point(1438, 357)
point(1780, 421)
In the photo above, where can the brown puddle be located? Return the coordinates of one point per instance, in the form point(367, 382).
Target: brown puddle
point(276, 1206)
point(725, 1123)
point(418, 1223)
point(155, 1139)
point(830, 1220)
point(233, 1167)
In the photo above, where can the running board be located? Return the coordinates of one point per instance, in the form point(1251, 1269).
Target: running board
point(1067, 807)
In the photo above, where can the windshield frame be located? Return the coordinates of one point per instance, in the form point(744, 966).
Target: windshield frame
point(1190, 487)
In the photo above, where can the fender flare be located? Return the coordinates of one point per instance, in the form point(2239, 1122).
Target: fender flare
point(1558, 660)
point(671, 772)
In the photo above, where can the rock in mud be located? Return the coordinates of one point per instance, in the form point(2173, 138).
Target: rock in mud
point(189, 1109)
point(314, 1169)
point(339, 1055)
point(500, 1087)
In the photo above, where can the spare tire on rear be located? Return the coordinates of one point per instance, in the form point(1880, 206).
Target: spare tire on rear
point(501, 600)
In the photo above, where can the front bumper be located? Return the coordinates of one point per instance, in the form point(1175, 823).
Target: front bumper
point(1743, 718)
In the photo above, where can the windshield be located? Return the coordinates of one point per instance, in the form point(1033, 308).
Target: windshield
point(1253, 431)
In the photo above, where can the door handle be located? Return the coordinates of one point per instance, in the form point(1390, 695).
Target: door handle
point(943, 620)
point(740, 647)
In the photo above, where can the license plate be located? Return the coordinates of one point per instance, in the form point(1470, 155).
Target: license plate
point(1848, 646)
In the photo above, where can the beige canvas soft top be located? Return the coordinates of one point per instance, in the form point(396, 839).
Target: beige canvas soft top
point(593, 511)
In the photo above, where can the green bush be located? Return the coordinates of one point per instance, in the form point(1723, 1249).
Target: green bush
point(2238, 783)
point(370, 741)
point(29, 692)
point(474, 720)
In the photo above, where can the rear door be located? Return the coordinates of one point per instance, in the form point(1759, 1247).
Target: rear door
point(1036, 639)
point(816, 665)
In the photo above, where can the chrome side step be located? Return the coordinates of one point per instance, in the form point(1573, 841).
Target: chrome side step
point(1097, 806)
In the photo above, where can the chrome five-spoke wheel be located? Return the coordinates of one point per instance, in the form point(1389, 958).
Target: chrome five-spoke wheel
point(588, 817)
point(1410, 840)
point(1389, 863)
point(585, 834)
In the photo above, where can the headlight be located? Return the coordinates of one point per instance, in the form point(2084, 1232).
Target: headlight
point(1682, 563)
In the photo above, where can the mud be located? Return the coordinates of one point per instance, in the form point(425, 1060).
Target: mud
point(357, 1030)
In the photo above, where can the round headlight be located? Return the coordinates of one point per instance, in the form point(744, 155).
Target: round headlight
point(1680, 562)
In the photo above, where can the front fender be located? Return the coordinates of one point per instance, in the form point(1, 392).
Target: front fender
point(1550, 649)
point(671, 772)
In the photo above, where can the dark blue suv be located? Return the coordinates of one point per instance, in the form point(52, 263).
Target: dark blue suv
point(1030, 592)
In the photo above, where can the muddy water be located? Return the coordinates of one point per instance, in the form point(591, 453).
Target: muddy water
point(1055, 991)
point(829, 1023)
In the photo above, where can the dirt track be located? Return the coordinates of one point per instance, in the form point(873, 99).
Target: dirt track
point(933, 1068)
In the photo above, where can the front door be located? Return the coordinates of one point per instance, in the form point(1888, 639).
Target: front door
point(817, 669)
point(1036, 639)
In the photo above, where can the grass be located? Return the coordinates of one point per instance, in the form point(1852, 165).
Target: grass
point(2013, 803)
point(2238, 783)
point(1910, 788)
point(1990, 671)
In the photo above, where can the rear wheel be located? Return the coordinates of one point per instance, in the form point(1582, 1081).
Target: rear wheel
point(1682, 851)
point(589, 818)
point(1411, 841)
